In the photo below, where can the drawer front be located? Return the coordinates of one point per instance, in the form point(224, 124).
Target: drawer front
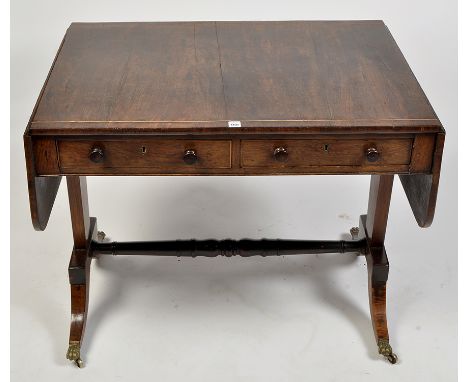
point(325, 152)
point(157, 154)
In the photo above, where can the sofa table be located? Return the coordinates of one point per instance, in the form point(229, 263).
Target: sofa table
point(232, 98)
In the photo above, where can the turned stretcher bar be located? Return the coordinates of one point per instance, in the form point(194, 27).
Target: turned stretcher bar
point(228, 247)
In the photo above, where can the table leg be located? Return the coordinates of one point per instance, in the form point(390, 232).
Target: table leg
point(374, 225)
point(84, 229)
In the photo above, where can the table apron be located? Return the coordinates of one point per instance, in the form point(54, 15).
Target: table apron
point(228, 155)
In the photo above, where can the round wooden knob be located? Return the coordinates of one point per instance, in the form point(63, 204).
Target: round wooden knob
point(96, 155)
point(280, 154)
point(190, 156)
point(372, 154)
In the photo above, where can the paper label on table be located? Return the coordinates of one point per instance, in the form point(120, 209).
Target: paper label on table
point(234, 124)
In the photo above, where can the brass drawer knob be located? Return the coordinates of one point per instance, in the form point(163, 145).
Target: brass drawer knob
point(280, 154)
point(372, 154)
point(190, 157)
point(96, 155)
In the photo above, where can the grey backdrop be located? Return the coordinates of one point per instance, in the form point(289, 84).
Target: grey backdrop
point(281, 319)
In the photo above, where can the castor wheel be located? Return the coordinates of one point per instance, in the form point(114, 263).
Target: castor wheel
point(392, 358)
point(79, 363)
point(386, 350)
point(101, 236)
point(73, 354)
point(354, 233)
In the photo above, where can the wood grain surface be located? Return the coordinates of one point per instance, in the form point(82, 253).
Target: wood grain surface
point(325, 152)
point(138, 153)
point(327, 76)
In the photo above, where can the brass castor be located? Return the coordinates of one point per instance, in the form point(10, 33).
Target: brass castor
point(386, 350)
point(392, 358)
point(79, 363)
point(101, 236)
point(354, 233)
point(73, 354)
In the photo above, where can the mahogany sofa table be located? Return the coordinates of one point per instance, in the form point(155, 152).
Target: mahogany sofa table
point(232, 98)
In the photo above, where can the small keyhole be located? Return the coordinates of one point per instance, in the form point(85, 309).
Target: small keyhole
point(143, 149)
point(325, 147)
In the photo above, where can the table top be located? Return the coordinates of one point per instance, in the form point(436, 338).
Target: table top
point(177, 77)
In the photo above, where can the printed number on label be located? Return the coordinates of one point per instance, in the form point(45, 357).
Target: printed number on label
point(234, 124)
